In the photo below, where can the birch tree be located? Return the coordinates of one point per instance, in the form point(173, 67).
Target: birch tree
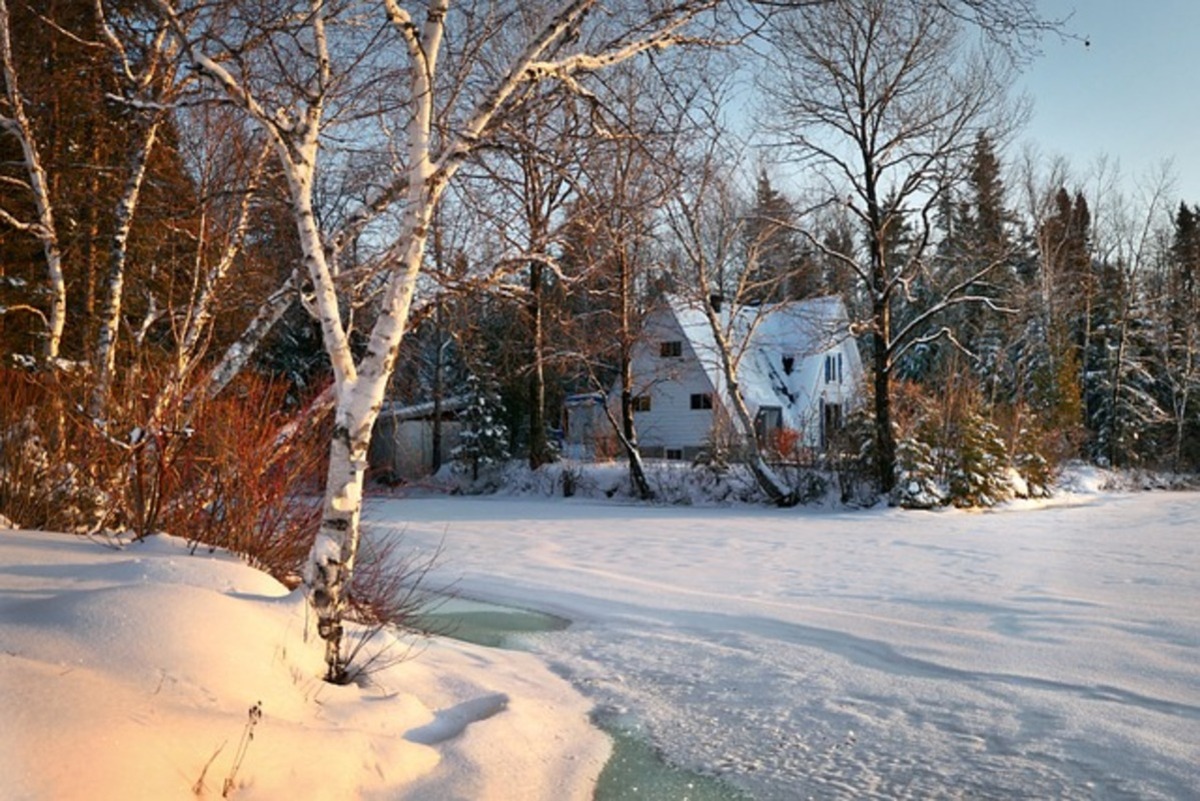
point(15, 121)
point(147, 68)
point(710, 220)
point(442, 111)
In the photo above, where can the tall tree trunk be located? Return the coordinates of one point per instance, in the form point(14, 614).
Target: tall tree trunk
point(764, 475)
point(637, 469)
point(44, 229)
point(538, 446)
point(627, 428)
point(118, 262)
point(885, 440)
point(439, 389)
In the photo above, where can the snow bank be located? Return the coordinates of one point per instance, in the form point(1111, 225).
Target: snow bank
point(130, 674)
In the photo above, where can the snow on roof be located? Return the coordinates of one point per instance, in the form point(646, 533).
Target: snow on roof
point(417, 411)
point(760, 338)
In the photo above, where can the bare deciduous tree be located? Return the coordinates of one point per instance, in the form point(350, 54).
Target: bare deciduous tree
point(15, 121)
point(439, 107)
point(884, 99)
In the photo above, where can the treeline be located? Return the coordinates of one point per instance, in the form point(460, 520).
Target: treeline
point(155, 232)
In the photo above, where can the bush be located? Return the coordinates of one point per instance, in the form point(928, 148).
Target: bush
point(214, 472)
point(248, 479)
point(52, 473)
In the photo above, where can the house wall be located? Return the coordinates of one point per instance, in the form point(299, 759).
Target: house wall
point(816, 391)
point(670, 383)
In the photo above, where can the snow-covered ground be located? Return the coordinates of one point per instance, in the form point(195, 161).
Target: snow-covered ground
point(130, 674)
point(1045, 651)
point(1031, 652)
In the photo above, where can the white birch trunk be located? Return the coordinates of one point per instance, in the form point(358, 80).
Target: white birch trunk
point(208, 281)
point(764, 475)
point(105, 357)
point(294, 132)
point(360, 395)
point(44, 229)
point(237, 355)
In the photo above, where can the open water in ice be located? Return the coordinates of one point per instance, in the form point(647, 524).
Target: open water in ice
point(636, 769)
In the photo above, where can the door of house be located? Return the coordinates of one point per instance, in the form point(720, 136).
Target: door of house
point(831, 421)
point(768, 420)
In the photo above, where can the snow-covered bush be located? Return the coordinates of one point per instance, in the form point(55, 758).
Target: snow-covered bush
point(217, 472)
point(49, 478)
point(1036, 473)
point(854, 461)
point(979, 471)
point(917, 485)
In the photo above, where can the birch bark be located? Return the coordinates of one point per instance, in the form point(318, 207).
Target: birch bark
point(295, 134)
point(44, 228)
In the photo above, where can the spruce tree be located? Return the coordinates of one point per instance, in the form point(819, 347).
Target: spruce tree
point(774, 256)
point(483, 440)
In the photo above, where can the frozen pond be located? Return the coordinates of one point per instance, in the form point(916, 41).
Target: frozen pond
point(1039, 652)
point(636, 768)
point(493, 625)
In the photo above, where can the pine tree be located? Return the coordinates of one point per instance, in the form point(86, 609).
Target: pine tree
point(1178, 342)
point(979, 475)
point(483, 440)
point(778, 267)
point(1054, 343)
point(917, 486)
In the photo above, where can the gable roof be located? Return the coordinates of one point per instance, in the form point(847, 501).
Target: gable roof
point(761, 337)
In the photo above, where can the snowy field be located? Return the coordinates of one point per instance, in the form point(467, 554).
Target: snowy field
point(1045, 651)
point(1039, 652)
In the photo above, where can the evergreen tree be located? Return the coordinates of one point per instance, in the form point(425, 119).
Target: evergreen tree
point(1052, 345)
point(1178, 342)
point(917, 486)
point(483, 440)
point(978, 476)
point(778, 265)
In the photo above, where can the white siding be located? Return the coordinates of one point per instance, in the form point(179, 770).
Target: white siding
point(670, 382)
point(808, 333)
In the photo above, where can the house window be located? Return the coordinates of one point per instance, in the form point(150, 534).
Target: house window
point(831, 421)
point(641, 403)
point(789, 364)
point(674, 454)
point(671, 349)
point(833, 368)
point(702, 400)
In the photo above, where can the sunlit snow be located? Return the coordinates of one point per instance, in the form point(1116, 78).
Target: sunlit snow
point(1030, 652)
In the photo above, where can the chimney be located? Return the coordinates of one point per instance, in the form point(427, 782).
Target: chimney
point(715, 300)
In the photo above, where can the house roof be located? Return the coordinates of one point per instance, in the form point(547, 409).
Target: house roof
point(760, 339)
point(418, 411)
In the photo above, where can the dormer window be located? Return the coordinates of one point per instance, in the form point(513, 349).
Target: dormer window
point(672, 349)
point(833, 368)
point(789, 364)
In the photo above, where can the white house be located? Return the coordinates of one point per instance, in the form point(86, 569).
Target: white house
point(798, 370)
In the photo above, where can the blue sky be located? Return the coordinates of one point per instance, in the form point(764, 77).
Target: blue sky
point(1133, 93)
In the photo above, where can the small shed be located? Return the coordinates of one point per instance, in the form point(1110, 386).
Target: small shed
point(585, 429)
point(402, 444)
